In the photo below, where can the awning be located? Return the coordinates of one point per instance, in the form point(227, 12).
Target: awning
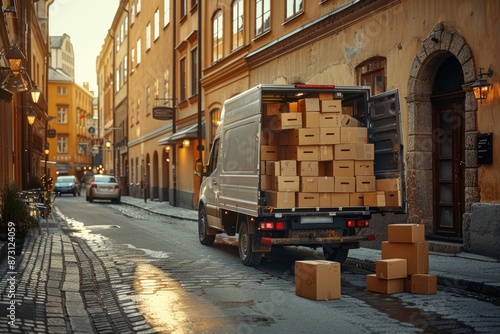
point(191, 132)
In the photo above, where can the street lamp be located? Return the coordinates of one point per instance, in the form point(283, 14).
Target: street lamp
point(46, 151)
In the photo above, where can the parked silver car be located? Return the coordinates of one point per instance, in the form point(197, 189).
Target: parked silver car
point(103, 187)
point(67, 184)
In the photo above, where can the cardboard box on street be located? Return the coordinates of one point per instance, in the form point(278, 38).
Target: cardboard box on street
point(407, 233)
point(317, 279)
point(424, 284)
point(391, 268)
point(388, 286)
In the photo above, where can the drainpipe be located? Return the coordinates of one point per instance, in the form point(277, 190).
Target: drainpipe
point(174, 94)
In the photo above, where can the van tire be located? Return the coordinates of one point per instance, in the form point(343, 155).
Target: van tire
point(247, 256)
point(205, 239)
point(335, 253)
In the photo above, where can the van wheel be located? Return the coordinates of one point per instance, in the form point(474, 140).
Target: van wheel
point(205, 239)
point(335, 253)
point(247, 256)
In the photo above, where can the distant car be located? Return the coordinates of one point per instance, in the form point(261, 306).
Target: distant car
point(67, 184)
point(103, 187)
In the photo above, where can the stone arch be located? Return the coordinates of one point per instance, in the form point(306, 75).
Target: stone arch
point(440, 44)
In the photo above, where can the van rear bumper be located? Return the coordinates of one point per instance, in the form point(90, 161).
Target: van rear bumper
point(316, 241)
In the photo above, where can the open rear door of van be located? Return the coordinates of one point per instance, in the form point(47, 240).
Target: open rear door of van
point(386, 133)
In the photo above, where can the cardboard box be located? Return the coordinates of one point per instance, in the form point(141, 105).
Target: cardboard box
point(273, 168)
point(309, 184)
point(270, 137)
point(330, 119)
point(268, 152)
point(309, 104)
point(342, 167)
point(388, 286)
point(345, 152)
point(286, 183)
point(391, 268)
point(325, 96)
point(291, 120)
point(331, 106)
point(276, 108)
point(326, 184)
point(263, 167)
point(329, 136)
point(365, 183)
point(317, 279)
point(325, 152)
point(348, 110)
point(345, 184)
point(416, 254)
point(407, 233)
point(356, 199)
point(293, 107)
point(325, 200)
point(365, 152)
point(424, 284)
point(307, 200)
point(310, 119)
point(363, 167)
point(304, 136)
point(266, 182)
point(304, 152)
point(353, 135)
point(350, 121)
point(392, 198)
point(280, 199)
point(374, 199)
point(388, 184)
point(340, 200)
point(288, 167)
point(307, 168)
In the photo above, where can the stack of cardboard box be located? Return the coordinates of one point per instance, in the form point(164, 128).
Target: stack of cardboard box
point(405, 262)
point(316, 154)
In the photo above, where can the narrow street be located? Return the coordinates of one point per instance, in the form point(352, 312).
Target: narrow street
point(128, 270)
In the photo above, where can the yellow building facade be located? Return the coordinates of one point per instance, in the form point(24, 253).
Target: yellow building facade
point(432, 52)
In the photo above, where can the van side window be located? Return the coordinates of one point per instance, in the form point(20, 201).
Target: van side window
point(214, 155)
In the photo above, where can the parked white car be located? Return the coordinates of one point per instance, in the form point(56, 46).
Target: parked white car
point(103, 187)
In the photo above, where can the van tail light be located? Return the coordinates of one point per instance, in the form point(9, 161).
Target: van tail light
point(363, 223)
point(93, 186)
point(117, 187)
point(271, 226)
point(358, 223)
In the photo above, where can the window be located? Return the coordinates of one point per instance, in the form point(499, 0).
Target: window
point(125, 68)
point(217, 37)
point(262, 16)
point(182, 81)
point(237, 24)
point(166, 12)
point(138, 110)
point(183, 9)
point(214, 122)
point(61, 90)
point(132, 58)
point(132, 14)
point(138, 6)
point(372, 73)
point(148, 100)
point(148, 36)
point(138, 46)
point(293, 7)
point(62, 114)
point(166, 79)
point(156, 25)
point(194, 71)
point(118, 80)
point(62, 145)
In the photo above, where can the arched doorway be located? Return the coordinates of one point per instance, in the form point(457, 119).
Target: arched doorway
point(448, 124)
point(439, 111)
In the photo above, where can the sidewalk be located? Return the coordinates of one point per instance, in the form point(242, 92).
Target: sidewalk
point(464, 270)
